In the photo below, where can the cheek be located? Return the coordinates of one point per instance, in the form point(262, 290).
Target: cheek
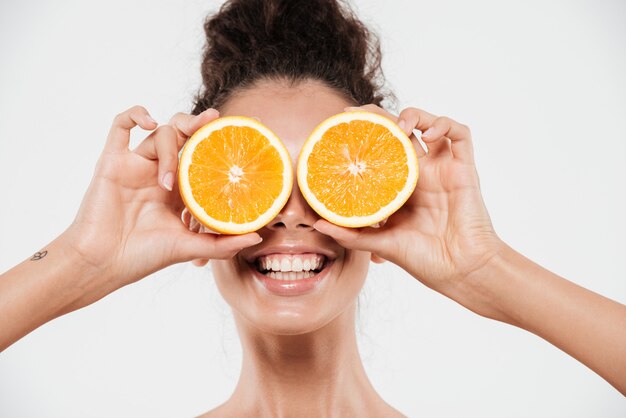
point(353, 274)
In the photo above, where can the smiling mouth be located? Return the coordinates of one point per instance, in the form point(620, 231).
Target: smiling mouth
point(291, 266)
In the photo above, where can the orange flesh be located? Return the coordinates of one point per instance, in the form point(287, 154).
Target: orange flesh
point(356, 168)
point(235, 174)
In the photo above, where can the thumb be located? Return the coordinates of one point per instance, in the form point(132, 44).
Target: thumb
point(364, 239)
point(214, 246)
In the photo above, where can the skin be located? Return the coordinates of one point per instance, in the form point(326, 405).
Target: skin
point(300, 355)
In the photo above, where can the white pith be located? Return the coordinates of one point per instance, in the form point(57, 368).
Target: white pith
point(235, 173)
point(357, 167)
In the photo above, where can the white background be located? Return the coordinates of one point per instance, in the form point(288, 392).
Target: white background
point(541, 84)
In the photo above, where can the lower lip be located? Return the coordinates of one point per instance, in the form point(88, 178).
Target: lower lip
point(291, 287)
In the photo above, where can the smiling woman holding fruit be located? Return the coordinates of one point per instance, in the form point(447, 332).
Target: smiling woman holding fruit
point(292, 65)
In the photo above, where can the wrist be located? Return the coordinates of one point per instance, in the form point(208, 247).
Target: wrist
point(86, 282)
point(51, 283)
point(486, 289)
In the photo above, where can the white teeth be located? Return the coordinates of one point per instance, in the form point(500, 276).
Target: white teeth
point(296, 264)
point(318, 263)
point(290, 275)
point(282, 265)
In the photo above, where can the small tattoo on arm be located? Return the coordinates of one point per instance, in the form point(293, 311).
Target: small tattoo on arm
point(39, 255)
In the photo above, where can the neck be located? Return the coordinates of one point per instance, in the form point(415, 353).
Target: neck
point(314, 374)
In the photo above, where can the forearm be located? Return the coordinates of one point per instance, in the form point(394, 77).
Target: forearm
point(588, 326)
point(43, 288)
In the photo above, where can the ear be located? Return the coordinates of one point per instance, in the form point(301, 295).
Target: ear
point(377, 259)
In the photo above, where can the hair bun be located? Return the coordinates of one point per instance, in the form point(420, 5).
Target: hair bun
point(248, 40)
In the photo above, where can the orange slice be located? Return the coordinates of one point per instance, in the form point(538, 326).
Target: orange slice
point(234, 175)
point(357, 168)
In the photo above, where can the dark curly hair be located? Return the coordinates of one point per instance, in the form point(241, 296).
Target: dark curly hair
point(295, 40)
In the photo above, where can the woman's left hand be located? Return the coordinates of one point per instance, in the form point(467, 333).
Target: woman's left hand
point(443, 236)
point(443, 233)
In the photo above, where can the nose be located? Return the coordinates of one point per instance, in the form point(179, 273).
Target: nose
point(296, 215)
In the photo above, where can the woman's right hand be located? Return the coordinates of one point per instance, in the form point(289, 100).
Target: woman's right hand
point(129, 223)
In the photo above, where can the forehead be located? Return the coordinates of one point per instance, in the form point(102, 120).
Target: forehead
point(291, 112)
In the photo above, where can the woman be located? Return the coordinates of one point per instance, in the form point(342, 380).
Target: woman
point(293, 64)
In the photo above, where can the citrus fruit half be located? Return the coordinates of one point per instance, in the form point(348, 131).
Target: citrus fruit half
point(234, 175)
point(357, 168)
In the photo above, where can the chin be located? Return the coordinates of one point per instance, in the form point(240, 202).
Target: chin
point(284, 322)
point(291, 290)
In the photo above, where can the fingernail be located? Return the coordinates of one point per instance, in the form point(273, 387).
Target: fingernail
point(258, 240)
point(347, 109)
point(428, 132)
point(402, 125)
point(150, 120)
point(168, 180)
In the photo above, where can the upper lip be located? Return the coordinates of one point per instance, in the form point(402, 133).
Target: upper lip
point(290, 249)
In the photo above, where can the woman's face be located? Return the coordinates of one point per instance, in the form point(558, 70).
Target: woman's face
point(289, 241)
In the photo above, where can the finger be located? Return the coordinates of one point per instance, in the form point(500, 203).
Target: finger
point(119, 134)
point(457, 135)
point(377, 259)
point(441, 128)
point(419, 148)
point(213, 246)
point(416, 119)
point(364, 239)
point(148, 148)
point(200, 262)
point(160, 145)
point(185, 125)
point(439, 148)
point(185, 217)
point(167, 154)
point(379, 224)
point(193, 225)
point(411, 119)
